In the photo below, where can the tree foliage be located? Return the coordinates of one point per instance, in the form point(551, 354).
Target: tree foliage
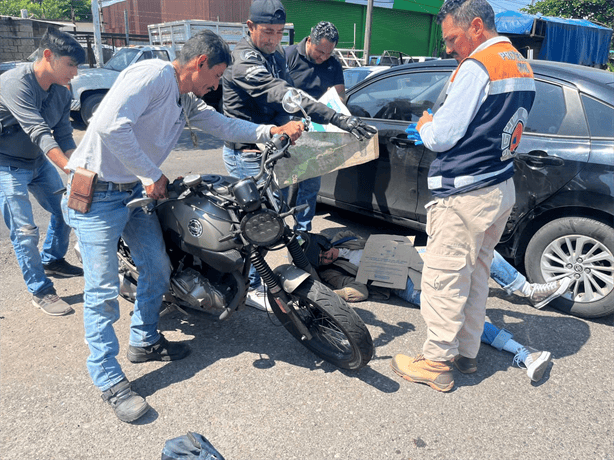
point(598, 11)
point(53, 10)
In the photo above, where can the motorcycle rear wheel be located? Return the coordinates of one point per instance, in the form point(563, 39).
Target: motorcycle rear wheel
point(340, 337)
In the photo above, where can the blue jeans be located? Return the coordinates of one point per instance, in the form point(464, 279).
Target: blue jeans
point(505, 275)
point(241, 165)
point(307, 193)
point(494, 336)
point(15, 186)
point(98, 232)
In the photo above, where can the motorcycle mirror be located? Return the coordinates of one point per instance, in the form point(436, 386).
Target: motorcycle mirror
point(292, 101)
point(139, 202)
point(192, 180)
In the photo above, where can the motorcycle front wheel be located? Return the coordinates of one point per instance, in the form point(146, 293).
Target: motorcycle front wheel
point(339, 336)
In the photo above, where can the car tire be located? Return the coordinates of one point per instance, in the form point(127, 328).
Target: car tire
point(89, 106)
point(583, 249)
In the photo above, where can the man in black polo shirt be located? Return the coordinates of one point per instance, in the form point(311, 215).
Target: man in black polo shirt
point(314, 70)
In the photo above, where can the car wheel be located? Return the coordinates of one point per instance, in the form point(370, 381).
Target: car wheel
point(89, 106)
point(583, 249)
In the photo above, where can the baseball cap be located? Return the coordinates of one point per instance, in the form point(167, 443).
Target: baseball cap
point(267, 12)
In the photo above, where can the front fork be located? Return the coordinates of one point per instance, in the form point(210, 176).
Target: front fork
point(284, 302)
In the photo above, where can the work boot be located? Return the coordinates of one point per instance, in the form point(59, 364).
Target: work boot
point(51, 303)
point(62, 268)
point(534, 361)
point(162, 350)
point(466, 365)
point(436, 374)
point(127, 404)
point(542, 294)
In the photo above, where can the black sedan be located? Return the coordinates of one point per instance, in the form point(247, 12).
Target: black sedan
point(563, 220)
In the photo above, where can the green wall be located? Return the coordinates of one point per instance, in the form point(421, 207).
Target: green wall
point(413, 33)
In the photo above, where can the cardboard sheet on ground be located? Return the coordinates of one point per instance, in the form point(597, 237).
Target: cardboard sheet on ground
point(325, 148)
point(388, 260)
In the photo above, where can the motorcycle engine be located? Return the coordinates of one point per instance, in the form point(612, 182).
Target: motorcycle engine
point(193, 288)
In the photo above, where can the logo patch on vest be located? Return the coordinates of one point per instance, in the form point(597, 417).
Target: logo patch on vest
point(512, 133)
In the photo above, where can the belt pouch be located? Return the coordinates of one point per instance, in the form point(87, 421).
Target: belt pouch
point(82, 190)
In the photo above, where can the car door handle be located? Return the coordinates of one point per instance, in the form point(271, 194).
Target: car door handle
point(402, 142)
point(539, 159)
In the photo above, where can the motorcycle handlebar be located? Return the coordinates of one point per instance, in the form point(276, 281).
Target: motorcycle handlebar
point(279, 145)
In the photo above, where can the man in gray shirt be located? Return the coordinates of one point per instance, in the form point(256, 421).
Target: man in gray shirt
point(34, 124)
point(133, 131)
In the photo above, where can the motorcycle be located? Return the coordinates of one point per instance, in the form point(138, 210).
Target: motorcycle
point(216, 227)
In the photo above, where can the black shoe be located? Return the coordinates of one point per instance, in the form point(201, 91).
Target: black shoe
point(62, 268)
point(162, 350)
point(127, 404)
point(466, 365)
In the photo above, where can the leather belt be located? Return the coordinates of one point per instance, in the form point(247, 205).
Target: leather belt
point(102, 186)
point(8, 130)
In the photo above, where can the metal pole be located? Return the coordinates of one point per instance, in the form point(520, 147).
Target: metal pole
point(126, 27)
point(97, 35)
point(367, 47)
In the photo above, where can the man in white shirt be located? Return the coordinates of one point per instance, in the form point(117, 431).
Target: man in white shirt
point(133, 131)
point(475, 134)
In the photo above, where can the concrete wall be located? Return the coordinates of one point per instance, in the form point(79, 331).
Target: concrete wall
point(19, 38)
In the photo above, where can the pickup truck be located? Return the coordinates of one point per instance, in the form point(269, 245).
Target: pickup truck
point(90, 85)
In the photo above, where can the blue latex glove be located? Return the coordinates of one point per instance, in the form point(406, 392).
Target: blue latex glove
point(412, 132)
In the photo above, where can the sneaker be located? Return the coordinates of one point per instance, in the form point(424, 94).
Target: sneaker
point(436, 374)
point(542, 294)
point(51, 304)
point(127, 404)
point(535, 362)
point(62, 268)
point(257, 298)
point(162, 350)
point(466, 365)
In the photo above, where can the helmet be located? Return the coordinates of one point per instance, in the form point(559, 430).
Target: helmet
point(316, 243)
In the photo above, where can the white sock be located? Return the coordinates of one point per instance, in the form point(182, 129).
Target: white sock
point(526, 289)
point(512, 346)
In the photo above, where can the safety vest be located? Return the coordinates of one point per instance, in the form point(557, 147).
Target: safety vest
point(484, 155)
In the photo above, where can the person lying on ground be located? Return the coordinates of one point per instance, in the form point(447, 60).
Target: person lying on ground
point(337, 262)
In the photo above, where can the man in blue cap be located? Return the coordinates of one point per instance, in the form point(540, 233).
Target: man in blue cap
point(254, 87)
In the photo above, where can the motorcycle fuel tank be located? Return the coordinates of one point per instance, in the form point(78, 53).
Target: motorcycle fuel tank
point(198, 220)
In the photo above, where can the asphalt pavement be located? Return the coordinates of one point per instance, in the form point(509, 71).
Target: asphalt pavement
point(256, 393)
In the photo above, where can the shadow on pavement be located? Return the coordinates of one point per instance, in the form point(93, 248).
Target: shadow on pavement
point(245, 331)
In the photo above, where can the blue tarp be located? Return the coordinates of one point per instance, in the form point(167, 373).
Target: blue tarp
point(566, 40)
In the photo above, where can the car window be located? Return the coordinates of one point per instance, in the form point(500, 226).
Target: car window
point(121, 59)
point(161, 54)
point(352, 77)
point(548, 111)
point(399, 97)
point(145, 55)
point(600, 117)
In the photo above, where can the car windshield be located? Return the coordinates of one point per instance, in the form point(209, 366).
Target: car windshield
point(121, 59)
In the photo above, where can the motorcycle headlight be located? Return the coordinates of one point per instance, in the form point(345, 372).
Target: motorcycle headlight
point(262, 228)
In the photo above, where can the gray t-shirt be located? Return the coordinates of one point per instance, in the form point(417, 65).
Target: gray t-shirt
point(36, 120)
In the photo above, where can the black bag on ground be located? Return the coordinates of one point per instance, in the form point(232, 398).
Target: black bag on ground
point(191, 446)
